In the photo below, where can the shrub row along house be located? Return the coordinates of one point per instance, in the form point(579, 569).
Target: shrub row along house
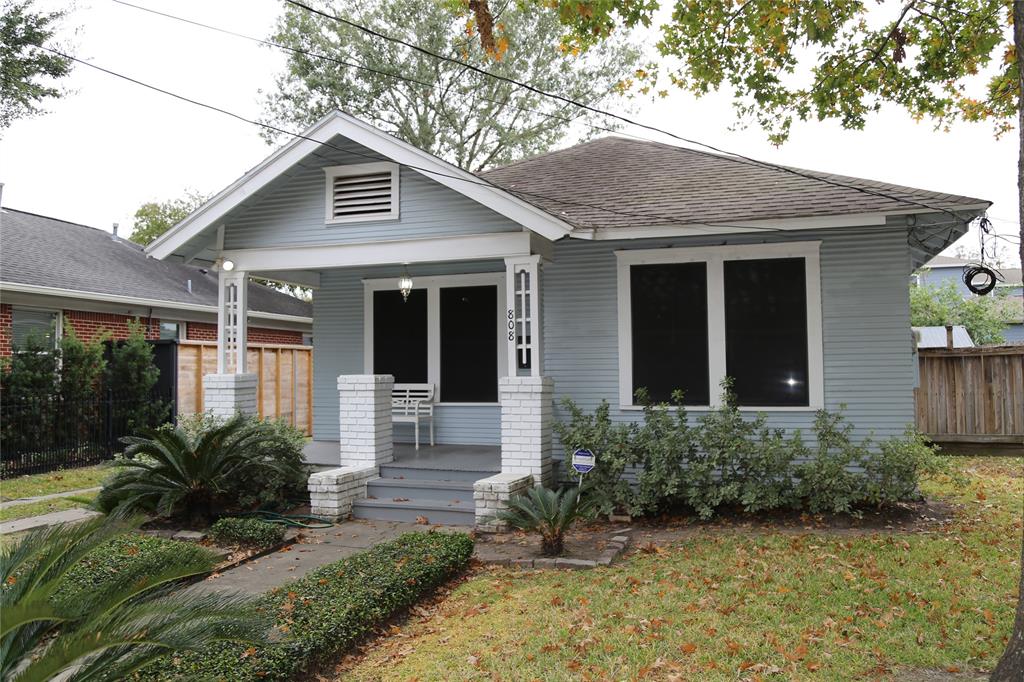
point(53, 273)
point(586, 273)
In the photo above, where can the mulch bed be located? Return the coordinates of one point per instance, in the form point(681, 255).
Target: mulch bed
point(591, 540)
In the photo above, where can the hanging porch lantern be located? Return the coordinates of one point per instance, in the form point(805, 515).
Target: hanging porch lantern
point(405, 285)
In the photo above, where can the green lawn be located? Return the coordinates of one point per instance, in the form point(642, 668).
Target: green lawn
point(742, 605)
point(53, 482)
point(23, 511)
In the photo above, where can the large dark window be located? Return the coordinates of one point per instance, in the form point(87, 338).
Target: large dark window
point(766, 331)
point(400, 335)
point(469, 344)
point(670, 330)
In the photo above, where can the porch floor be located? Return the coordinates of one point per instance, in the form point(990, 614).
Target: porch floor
point(451, 457)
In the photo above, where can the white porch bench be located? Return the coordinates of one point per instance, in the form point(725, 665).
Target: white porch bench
point(411, 404)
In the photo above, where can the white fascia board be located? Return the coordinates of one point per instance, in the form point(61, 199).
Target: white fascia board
point(747, 226)
point(337, 123)
point(144, 302)
point(469, 247)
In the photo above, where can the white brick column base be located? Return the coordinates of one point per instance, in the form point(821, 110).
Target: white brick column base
point(225, 395)
point(332, 492)
point(526, 416)
point(492, 495)
point(365, 414)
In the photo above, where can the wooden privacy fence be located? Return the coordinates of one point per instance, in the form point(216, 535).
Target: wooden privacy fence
point(284, 389)
point(972, 395)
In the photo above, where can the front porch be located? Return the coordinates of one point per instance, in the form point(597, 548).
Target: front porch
point(323, 454)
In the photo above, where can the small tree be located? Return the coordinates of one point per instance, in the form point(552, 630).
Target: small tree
point(26, 71)
point(156, 217)
point(442, 107)
point(28, 381)
point(131, 377)
point(984, 317)
point(81, 373)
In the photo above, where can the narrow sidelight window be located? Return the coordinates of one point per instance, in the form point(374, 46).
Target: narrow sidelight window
point(766, 331)
point(669, 304)
point(469, 344)
point(400, 335)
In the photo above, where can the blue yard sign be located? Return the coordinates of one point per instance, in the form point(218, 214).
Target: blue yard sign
point(583, 461)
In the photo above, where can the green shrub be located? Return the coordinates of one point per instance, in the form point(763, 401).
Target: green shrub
point(246, 532)
point(126, 558)
point(613, 447)
point(71, 614)
point(546, 512)
point(323, 613)
point(262, 487)
point(664, 446)
point(172, 473)
point(729, 460)
point(132, 376)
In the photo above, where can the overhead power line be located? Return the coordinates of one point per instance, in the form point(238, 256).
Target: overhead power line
point(704, 225)
point(733, 156)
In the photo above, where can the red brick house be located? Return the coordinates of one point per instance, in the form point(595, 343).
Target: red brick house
point(54, 273)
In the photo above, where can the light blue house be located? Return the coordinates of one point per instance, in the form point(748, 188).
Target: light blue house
point(587, 272)
point(942, 269)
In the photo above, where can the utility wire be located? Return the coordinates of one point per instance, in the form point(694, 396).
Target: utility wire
point(733, 156)
point(353, 65)
point(482, 183)
point(330, 58)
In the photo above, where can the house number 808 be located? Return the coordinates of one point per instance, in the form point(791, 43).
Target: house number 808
point(511, 324)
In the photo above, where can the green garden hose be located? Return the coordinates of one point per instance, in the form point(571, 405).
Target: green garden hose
point(290, 520)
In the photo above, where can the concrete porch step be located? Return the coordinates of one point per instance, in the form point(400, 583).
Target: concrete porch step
point(421, 489)
point(397, 471)
point(443, 513)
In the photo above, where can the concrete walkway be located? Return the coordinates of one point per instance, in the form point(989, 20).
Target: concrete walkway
point(318, 547)
point(51, 496)
point(51, 519)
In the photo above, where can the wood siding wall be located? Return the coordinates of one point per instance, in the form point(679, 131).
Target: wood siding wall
point(284, 390)
point(972, 394)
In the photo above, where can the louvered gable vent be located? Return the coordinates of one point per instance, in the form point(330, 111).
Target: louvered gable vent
point(366, 191)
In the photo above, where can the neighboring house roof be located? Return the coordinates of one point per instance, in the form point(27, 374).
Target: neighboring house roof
point(935, 337)
point(947, 262)
point(662, 184)
point(42, 253)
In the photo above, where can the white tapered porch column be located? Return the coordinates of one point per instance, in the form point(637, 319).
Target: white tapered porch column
point(232, 389)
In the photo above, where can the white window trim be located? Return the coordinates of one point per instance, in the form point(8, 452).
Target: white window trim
point(714, 257)
point(333, 172)
point(58, 327)
point(433, 285)
point(182, 327)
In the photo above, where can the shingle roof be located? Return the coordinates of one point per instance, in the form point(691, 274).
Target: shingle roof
point(48, 252)
point(935, 337)
point(671, 185)
point(947, 262)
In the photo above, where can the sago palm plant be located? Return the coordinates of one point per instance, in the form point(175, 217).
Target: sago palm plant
point(547, 512)
point(111, 631)
point(170, 472)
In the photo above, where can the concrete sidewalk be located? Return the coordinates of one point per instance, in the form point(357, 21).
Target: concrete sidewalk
point(318, 547)
point(52, 496)
point(51, 519)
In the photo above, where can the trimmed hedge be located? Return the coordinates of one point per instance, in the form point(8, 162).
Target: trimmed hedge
point(126, 558)
point(246, 532)
point(325, 612)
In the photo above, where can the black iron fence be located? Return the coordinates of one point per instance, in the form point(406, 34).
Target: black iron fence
point(44, 434)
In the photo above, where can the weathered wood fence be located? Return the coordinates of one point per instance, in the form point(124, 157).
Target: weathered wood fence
point(284, 390)
point(972, 395)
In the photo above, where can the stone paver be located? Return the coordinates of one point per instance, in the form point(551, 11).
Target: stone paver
point(318, 547)
point(52, 519)
point(51, 496)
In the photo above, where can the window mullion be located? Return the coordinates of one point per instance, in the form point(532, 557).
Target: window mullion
point(716, 328)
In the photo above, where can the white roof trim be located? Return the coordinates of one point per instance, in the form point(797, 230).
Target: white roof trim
point(337, 123)
point(146, 302)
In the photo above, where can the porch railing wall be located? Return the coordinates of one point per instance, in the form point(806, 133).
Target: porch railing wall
point(285, 379)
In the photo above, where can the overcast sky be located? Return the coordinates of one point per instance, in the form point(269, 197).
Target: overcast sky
point(109, 145)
